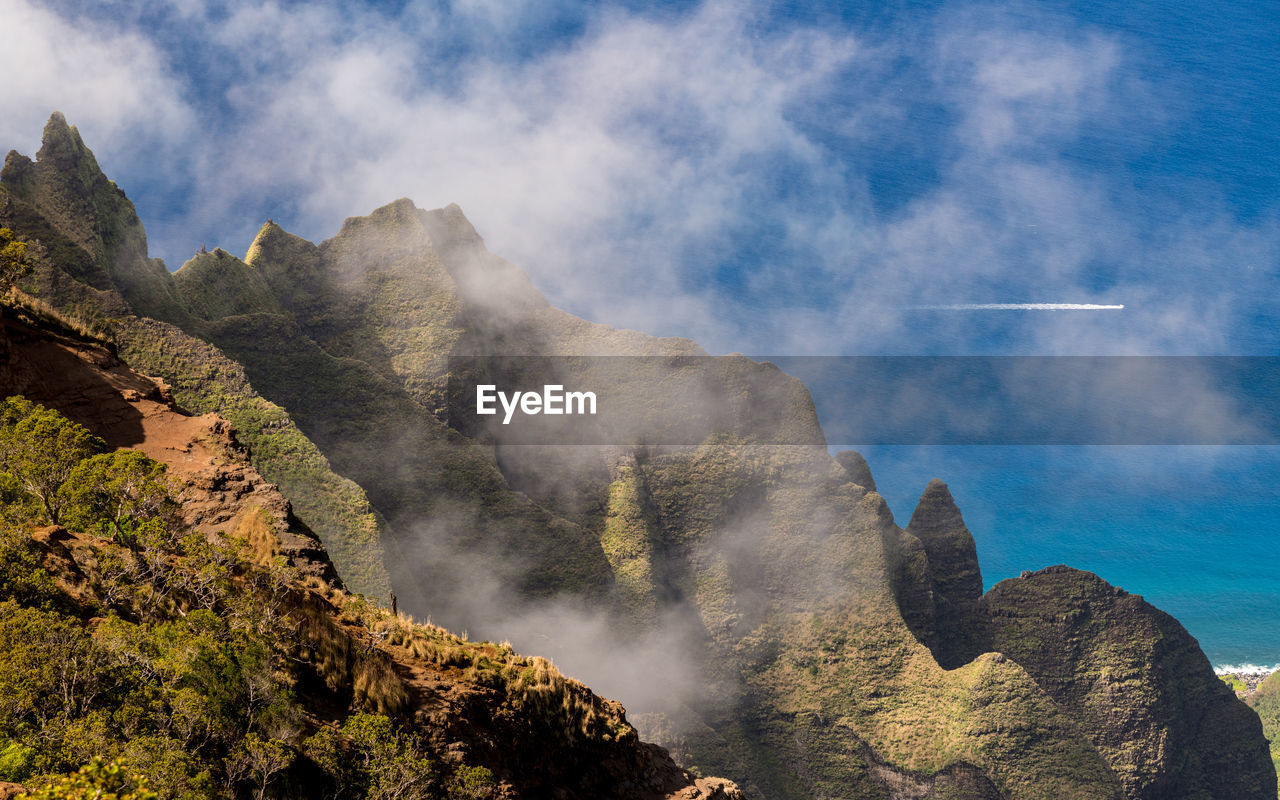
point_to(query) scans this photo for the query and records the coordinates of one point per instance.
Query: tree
(39, 449)
(50, 672)
(472, 783)
(261, 759)
(14, 261)
(372, 759)
(119, 489)
(95, 781)
(22, 577)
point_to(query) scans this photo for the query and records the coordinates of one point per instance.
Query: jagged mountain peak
(937, 508)
(17, 168)
(401, 213)
(954, 575)
(216, 284)
(64, 156)
(857, 468)
(273, 242)
(61, 144)
(65, 177)
(937, 521)
(451, 225)
(69, 205)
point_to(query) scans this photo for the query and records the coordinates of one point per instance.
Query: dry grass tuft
(378, 687)
(40, 312)
(530, 685)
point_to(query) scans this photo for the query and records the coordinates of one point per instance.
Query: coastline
(1248, 675)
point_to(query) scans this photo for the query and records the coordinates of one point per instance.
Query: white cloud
(1023, 87)
(111, 82)
(593, 166)
(626, 166)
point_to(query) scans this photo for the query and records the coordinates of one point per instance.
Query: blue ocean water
(1191, 529)
(1194, 530)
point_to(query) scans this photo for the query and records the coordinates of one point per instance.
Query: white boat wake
(1018, 307)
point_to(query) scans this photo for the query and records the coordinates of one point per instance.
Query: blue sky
(768, 177)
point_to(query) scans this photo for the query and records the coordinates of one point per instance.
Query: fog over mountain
(756, 607)
(321, 225)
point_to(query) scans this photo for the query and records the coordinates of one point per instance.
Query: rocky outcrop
(856, 466)
(959, 781)
(955, 580)
(1136, 681)
(221, 492)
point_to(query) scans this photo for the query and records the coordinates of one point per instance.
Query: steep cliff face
(834, 654)
(955, 581)
(1137, 682)
(912, 579)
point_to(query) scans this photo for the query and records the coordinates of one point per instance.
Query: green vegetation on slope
(628, 541)
(169, 662)
(1266, 701)
(91, 265)
(217, 284)
(205, 381)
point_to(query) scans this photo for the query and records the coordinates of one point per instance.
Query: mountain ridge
(814, 621)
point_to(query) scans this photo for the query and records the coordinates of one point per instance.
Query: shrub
(472, 783)
(39, 449)
(96, 780)
(16, 762)
(118, 491)
(14, 262)
(373, 759)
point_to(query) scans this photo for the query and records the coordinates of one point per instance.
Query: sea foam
(1245, 669)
